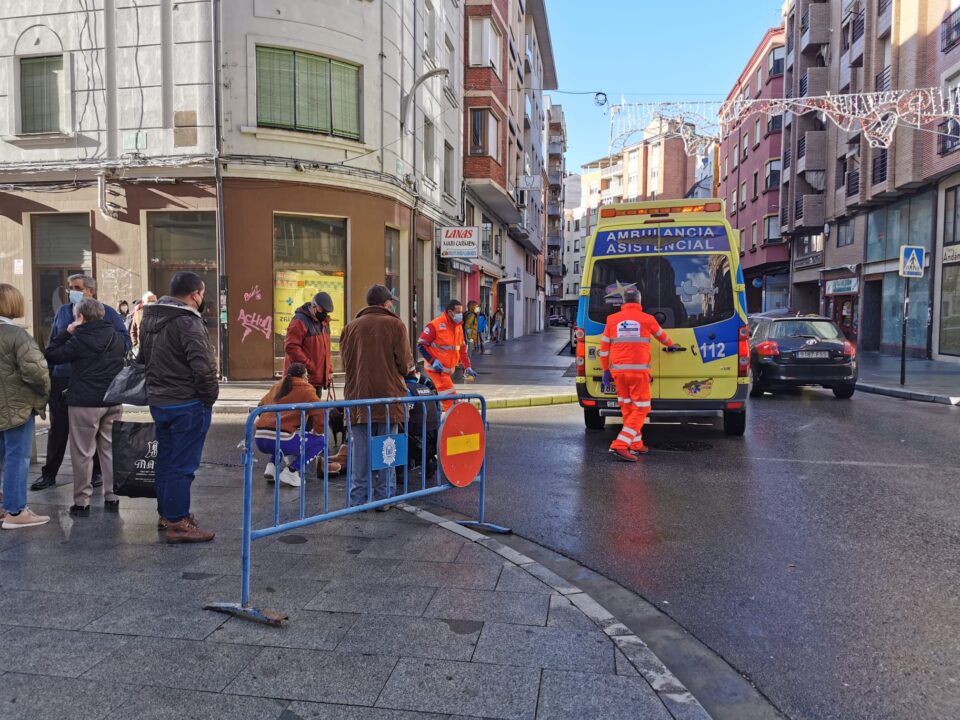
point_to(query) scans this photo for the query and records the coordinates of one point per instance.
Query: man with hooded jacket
(625, 359)
(308, 341)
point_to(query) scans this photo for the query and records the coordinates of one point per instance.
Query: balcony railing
(804, 84)
(612, 170)
(853, 183)
(950, 31)
(949, 139)
(798, 209)
(879, 167)
(787, 158)
(784, 215)
(883, 6)
(805, 21)
(859, 25)
(882, 81)
(801, 147)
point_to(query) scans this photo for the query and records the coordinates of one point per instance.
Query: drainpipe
(382, 108)
(215, 17)
(106, 208)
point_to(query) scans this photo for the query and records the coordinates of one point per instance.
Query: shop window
(310, 93)
(949, 310)
(41, 87)
(391, 248)
(179, 241)
(893, 311)
(61, 248)
(309, 256)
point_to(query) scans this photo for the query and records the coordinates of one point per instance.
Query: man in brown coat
(376, 358)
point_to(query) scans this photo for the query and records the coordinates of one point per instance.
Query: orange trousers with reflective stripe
(633, 393)
(444, 384)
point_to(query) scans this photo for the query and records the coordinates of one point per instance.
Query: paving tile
(445, 686)
(545, 647)
(298, 543)
(451, 575)
(186, 664)
(489, 606)
(324, 711)
(34, 697)
(306, 629)
(474, 553)
(515, 579)
(272, 593)
(53, 610)
(565, 614)
(152, 703)
(318, 567)
(55, 652)
(385, 598)
(412, 637)
(315, 676)
(225, 560)
(574, 696)
(158, 617)
(624, 666)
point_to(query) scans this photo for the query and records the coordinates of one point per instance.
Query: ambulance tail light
(743, 351)
(849, 349)
(768, 348)
(581, 353)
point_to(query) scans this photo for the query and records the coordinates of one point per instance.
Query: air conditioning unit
(521, 198)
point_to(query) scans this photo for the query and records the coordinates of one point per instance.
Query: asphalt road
(818, 555)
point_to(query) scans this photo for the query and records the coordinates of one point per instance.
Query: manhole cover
(681, 446)
(292, 539)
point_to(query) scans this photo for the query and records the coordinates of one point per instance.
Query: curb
(676, 698)
(904, 394)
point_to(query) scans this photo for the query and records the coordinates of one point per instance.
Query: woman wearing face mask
(443, 346)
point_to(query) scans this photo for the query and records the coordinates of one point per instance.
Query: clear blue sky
(649, 51)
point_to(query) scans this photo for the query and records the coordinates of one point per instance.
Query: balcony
(812, 151)
(878, 168)
(884, 18)
(949, 137)
(554, 238)
(612, 170)
(809, 212)
(787, 160)
(555, 179)
(856, 39)
(853, 187)
(555, 148)
(881, 82)
(814, 82)
(554, 208)
(950, 31)
(814, 27)
(784, 216)
(555, 270)
(612, 193)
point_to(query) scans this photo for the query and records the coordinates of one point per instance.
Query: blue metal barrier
(400, 440)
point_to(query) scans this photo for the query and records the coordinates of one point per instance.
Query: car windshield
(681, 291)
(819, 329)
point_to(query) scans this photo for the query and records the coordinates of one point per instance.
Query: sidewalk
(518, 373)
(927, 380)
(393, 615)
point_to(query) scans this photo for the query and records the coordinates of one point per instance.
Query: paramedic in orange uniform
(442, 345)
(625, 359)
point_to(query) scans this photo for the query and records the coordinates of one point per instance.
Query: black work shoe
(111, 505)
(80, 511)
(42, 483)
(97, 480)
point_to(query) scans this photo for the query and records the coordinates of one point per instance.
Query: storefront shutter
(275, 90)
(62, 240)
(346, 99)
(313, 93)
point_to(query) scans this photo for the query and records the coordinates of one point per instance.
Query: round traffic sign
(462, 444)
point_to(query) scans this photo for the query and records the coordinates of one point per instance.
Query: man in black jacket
(95, 349)
(182, 386)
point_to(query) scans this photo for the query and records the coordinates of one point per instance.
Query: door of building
(870, 331)
(61, 248)
(844, 313)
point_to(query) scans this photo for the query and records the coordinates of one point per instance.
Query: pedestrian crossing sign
(911, 261)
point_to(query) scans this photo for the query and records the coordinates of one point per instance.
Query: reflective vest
(625, 344)
(447, 342)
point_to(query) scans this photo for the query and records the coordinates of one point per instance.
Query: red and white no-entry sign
(462, 444)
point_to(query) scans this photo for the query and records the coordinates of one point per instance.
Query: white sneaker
(26, 518)
(289, 477)
(270, 471)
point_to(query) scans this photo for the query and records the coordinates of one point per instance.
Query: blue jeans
(15, 446)
(314, 445)
(383, 480)
(181, 430)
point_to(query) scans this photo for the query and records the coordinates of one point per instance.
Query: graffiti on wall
(254, 321)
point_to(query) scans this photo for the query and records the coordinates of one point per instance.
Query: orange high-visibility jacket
(625, 344)
(442, 339)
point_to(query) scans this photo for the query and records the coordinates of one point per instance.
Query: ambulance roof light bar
(610, 212)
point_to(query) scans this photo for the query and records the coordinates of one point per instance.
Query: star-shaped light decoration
(619, 290)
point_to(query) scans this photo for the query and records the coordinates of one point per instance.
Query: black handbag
(129, 387)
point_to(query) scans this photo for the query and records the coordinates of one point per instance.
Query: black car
(559, 321)
(791, 350)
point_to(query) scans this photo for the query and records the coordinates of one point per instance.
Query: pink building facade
(749, 170)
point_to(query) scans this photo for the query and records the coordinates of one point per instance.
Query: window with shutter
(41, 86)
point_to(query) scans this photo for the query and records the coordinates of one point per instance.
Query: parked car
(559, 321)
(795, 350)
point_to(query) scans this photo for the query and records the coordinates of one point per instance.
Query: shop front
(842, 304)
(949, 330)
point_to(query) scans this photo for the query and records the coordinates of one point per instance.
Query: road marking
(853, 463)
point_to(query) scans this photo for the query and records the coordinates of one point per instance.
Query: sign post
(911, 266)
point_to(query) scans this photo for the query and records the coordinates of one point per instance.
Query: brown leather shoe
(185, 532)
(163, 523)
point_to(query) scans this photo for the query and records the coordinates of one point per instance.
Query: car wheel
(734, 422)
(845, 391)
(593, 419)
(757, 388)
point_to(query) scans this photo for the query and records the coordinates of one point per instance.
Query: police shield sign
(911, 261)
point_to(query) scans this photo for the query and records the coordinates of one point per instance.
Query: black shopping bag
(134, 456)
(129, 387)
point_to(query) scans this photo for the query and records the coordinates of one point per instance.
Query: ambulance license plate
(610, 389)
(813, 354)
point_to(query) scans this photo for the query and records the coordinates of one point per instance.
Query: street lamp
(405, 100)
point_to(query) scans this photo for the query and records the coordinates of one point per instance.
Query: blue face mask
(458, 318)
(76, 296)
